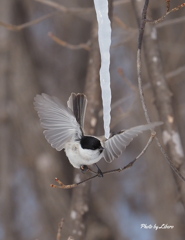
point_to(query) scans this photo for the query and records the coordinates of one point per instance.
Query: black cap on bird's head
(88, 142)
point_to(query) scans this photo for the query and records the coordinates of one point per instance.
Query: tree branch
(85, 46)
(162, 94)
(28, 24)
(167, 13)
(86, 14)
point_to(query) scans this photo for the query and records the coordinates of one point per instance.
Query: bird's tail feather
(77, 103)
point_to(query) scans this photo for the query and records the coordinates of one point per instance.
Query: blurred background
(31, 62)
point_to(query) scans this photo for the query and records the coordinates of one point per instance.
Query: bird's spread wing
(77, 103)
(59, 122)
(115, 145)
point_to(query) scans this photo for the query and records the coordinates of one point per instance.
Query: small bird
(64, 130)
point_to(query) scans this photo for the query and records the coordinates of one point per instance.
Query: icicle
(104, 37)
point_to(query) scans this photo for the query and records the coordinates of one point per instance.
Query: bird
(64, 129)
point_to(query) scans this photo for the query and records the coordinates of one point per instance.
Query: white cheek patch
(79, 156)
(86, 153)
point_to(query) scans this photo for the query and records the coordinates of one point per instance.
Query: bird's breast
(79, 156)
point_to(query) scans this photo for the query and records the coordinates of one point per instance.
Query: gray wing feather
(59, 122)
(77, 103)
(115, 145)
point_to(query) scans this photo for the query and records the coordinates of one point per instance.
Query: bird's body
(64, 130)
(79, 156)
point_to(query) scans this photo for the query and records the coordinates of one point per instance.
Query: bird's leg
(100, 173)
(84, 168)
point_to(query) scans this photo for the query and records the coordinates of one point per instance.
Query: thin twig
(175, 72)
(28, 24)
(85, 46)
(130, 32)
(84, 13)
(69, 186)
(170, 22)
(166, 14)
(123, 25)
(65, 9)
(128, 82)
(130, 164)
(169, 160)
(140, 40)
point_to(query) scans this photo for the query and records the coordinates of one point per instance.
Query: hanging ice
(104, 37)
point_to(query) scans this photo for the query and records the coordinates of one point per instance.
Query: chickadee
(64, 130)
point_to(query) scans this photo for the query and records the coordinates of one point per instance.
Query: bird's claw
(84, 169)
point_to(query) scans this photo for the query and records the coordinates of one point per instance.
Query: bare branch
(163, 95)
(84, 13)
(128, 82)
(170, 22)
(85, 46)
(169, 160)
(69, 186)
(166, 14)
(175, 72)
(64, 9)
(140, 40)
(28, 24)
(123, 25)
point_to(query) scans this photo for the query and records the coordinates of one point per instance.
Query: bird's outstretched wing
(77, 103)
(58, 121)
(114, 146)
